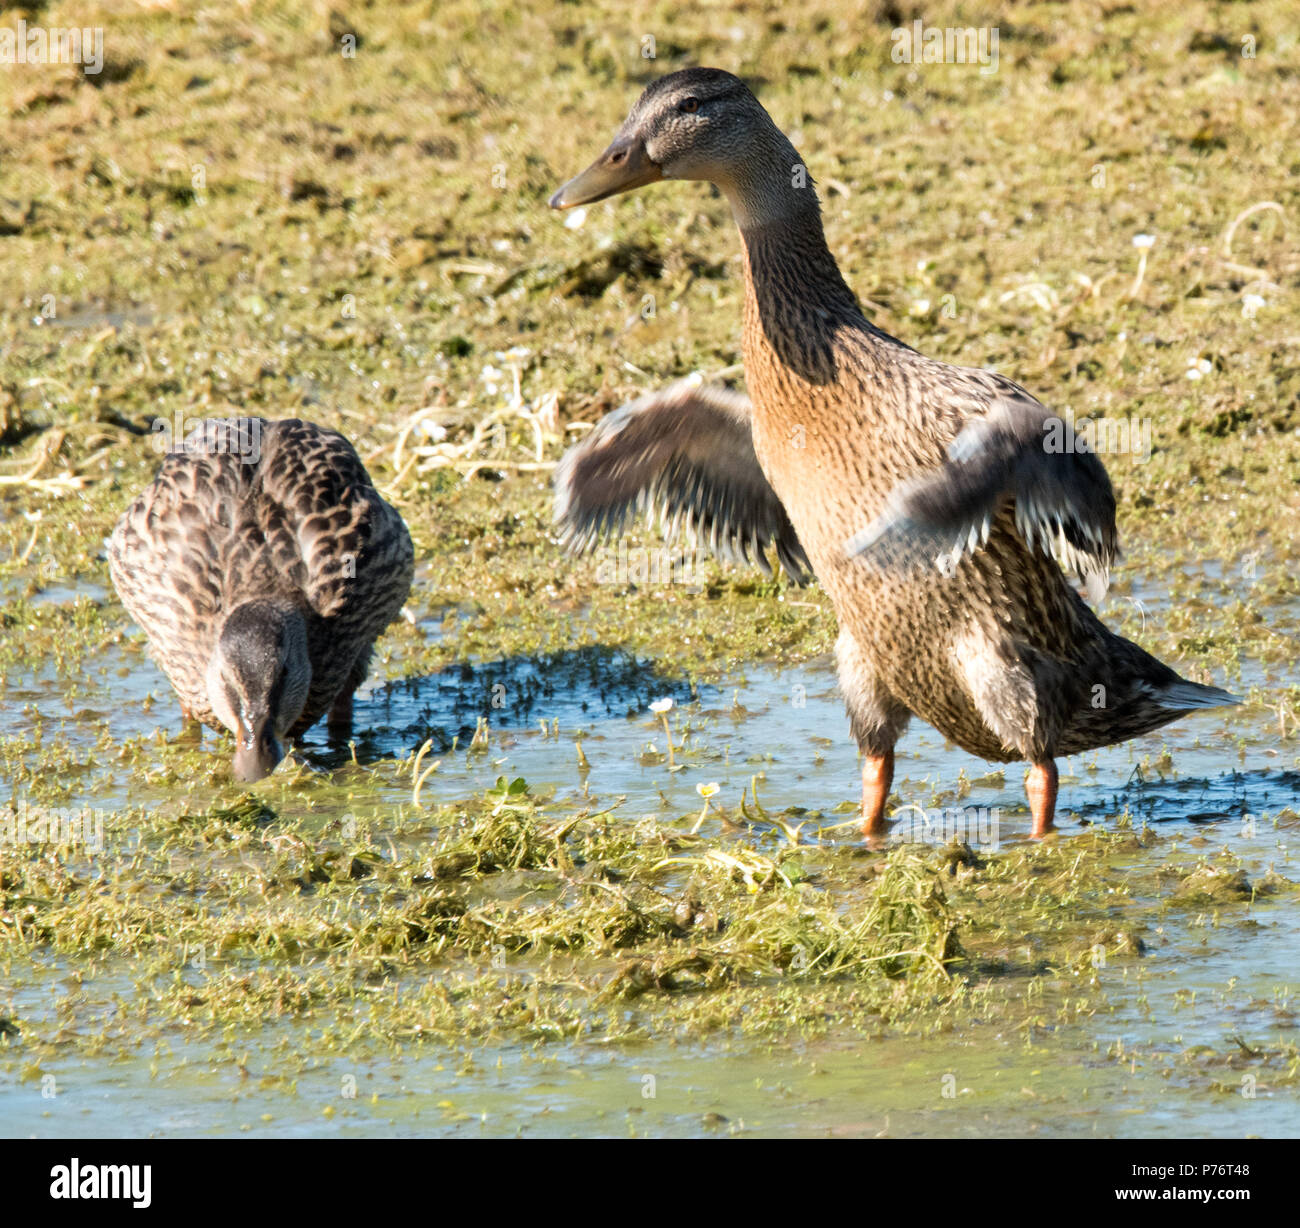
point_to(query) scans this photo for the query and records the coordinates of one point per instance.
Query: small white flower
(920, 307)
(707, 791)
(575, 219)
(1144, 240)
(1250, 304)
(432, 430)
(1200, 368)
(661, 706)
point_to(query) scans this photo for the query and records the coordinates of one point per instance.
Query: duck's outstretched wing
(685, 454)
(1018, 451)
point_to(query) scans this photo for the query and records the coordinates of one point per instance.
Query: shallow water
(787, 727)
(1200, 982)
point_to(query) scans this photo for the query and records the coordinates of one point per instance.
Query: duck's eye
(689, 105)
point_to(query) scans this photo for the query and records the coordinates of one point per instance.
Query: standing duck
(262, 565)
(927, 498)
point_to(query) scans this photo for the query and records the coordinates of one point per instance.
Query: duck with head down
(258, 680)
(262, 565)
(923, 496)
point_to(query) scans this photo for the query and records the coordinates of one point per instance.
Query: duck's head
(700, 123)
(258, 679)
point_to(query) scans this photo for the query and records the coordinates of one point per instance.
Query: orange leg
(1040, 788)
(877, 777)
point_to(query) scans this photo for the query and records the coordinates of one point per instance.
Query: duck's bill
(622, 167)
(258, 760)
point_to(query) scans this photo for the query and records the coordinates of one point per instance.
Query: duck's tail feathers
(1183, 696)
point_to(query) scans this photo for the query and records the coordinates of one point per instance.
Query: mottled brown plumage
(922, 494)
(262, 565)
(685, 454)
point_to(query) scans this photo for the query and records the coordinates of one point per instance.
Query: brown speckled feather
(997, 650)
(685, 453)
(256, 508)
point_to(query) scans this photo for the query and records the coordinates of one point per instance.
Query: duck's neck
(797, 307)
(790, 272)
(796, 300)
